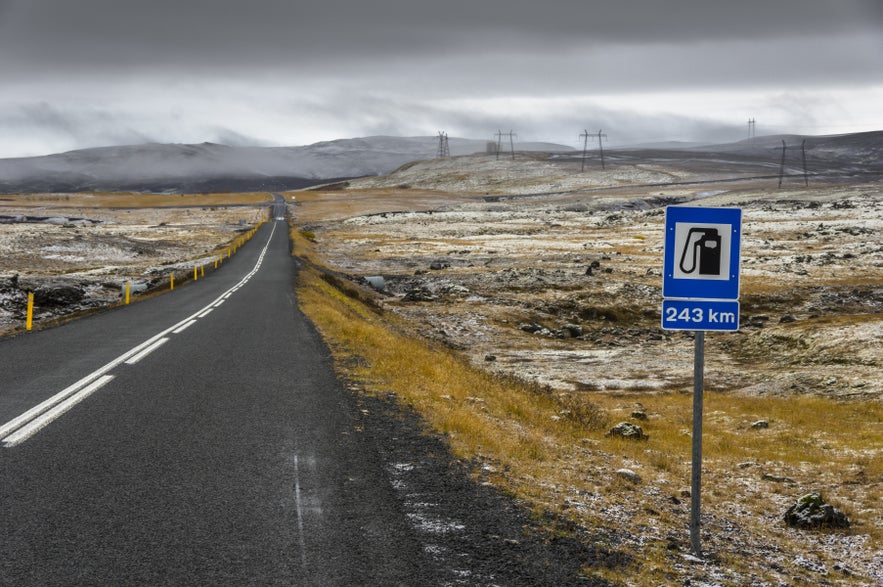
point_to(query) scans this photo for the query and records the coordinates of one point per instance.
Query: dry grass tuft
(551, 451)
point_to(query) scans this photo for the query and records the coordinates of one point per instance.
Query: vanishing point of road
(195, 438)
(201, 437)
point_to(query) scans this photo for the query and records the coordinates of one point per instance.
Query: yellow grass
(133, 200)
(534, 444)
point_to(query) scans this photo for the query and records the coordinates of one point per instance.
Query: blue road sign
(700, 315)
(701, 259)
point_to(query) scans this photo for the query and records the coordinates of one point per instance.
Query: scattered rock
(439, 265)
(530, 327)
(9, 282)
(419, 294)
(776, 478)
(53, 295)
(572, 330)
(787, 318)
(760, 425)
(628, 430)
(453, 289)
(490, 358)
(811, 512)
(628, 475)
(376, 281)
(639, 415)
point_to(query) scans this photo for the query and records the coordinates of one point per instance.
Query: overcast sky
(83, 73)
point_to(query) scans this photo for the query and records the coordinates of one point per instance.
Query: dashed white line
(147, 351)
(35, 419)
(184, 327)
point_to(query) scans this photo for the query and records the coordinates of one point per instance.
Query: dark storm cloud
(280, 33)
(88, 72)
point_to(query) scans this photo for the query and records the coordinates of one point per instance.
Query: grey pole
(696, 481)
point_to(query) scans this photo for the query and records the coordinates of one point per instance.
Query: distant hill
(214, 167)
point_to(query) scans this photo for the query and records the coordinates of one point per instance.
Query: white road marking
(184, 327)
(206, 313)
(300, 514)
(147, 351)
(42, 421)
(58, 404)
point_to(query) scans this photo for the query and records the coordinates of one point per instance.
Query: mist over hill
(214, 167)
(210, 167)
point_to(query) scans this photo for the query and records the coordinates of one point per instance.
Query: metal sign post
(696, 472)
(700, 288)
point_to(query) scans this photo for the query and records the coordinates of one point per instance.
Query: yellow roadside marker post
(29, 321)
(128, 292)
(195, 277)
(172, 281)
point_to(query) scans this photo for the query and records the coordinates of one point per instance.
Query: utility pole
(752, 129)
(782, 163)
(805, 174)
(601, 148)
(500, 134)
(444, 150)
(803, 156)
(585, 136)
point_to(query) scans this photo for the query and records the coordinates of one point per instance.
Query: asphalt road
(201, 438)
(228, 455)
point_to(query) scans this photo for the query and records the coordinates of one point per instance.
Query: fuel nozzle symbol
(702, 251)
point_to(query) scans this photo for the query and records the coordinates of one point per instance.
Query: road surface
(201, 438)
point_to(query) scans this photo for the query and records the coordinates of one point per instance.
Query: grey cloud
(273, 33)
(90, 72)
(69, 127)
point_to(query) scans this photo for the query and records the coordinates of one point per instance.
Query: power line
(500, 134)
(444, 151)
(803, 156)
(585, 136)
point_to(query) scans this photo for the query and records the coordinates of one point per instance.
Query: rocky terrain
(531, 267)
(534, 269)
(536, 277)
(74, 254)
(210, 167)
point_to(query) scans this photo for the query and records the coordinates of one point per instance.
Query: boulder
(54, 295)
(628, 430)
(811, 512)
(419, 294)
(572, 330)
(376, 282)
(628, 475)
(530, 327)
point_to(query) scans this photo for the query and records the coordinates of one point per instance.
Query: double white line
(29, 423)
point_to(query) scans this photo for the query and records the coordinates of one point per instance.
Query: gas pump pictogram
(702, 249)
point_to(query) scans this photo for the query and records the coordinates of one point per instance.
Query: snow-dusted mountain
(209, 166)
